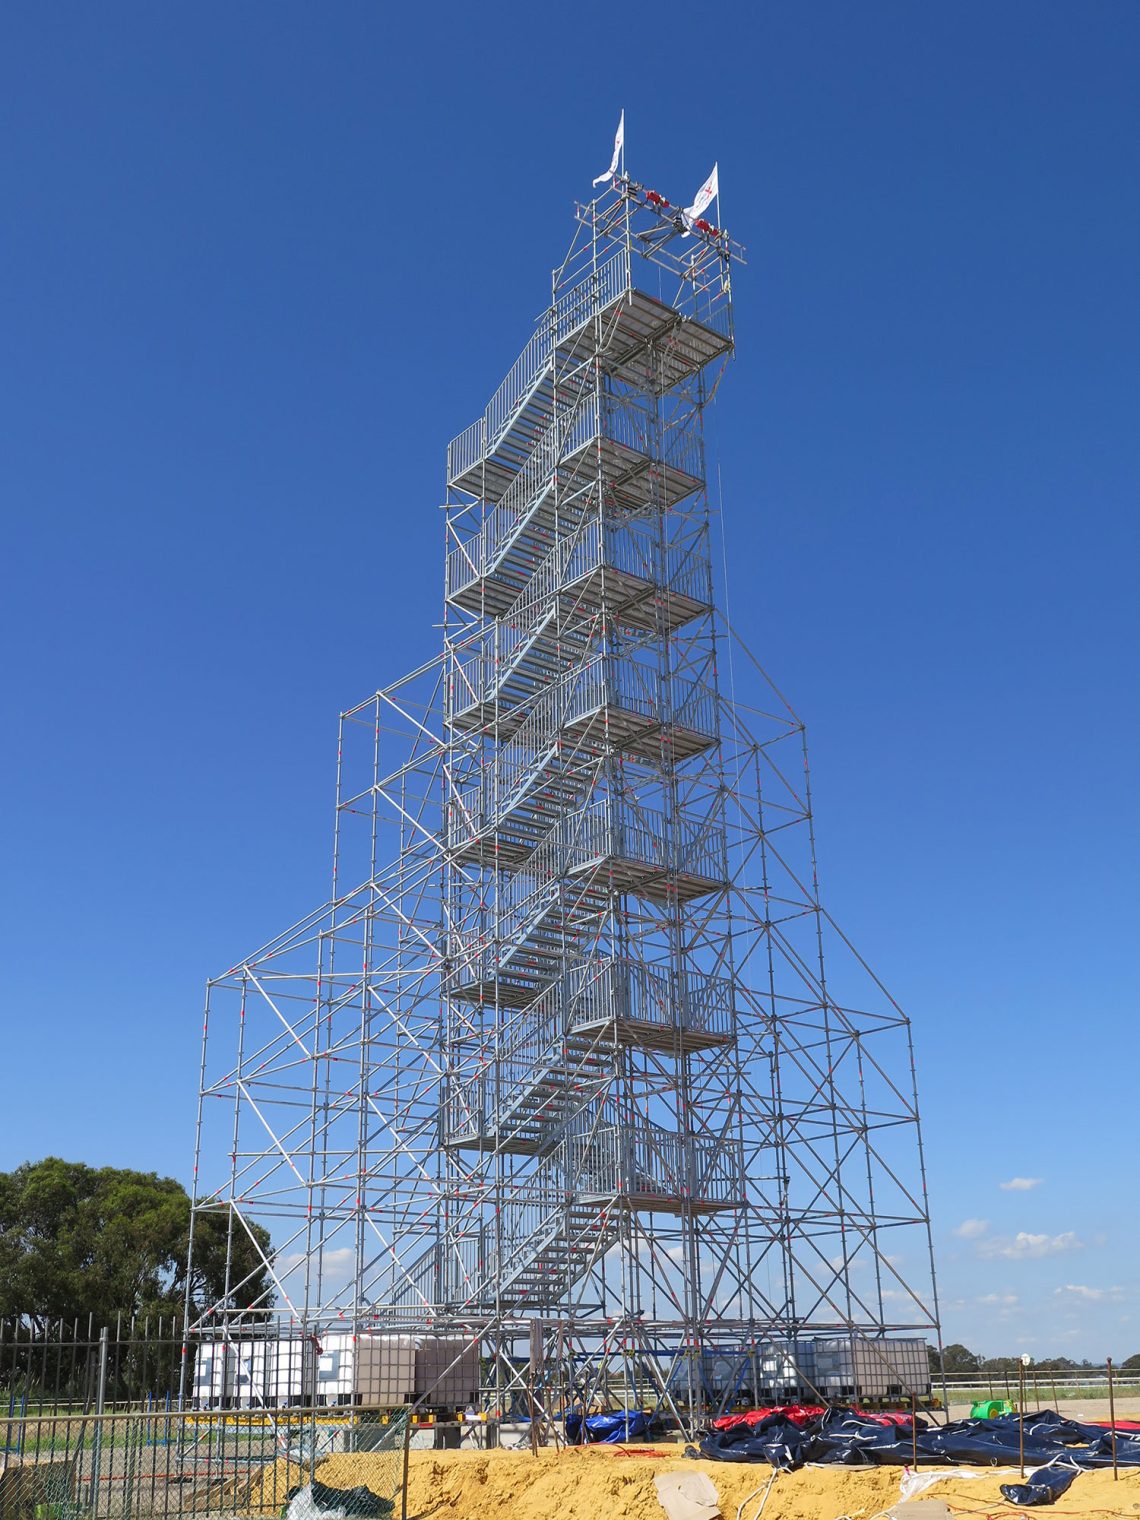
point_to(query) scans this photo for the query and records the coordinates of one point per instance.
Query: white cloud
(971, 1229)
(999, 1300)
(1027, 1247)
(1021, 1184)
(338, 1265)
(1090, 1295)
(898, 1296)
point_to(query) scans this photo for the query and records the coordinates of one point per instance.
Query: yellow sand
(603, 1483)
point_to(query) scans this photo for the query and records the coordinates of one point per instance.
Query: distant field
(1042, 1389)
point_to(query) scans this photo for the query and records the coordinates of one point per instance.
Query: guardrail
(574, 308)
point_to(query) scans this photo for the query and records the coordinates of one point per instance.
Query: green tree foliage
(955, 1358)
(79, 1241)
(1131, 1363)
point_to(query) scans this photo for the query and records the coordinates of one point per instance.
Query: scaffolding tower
(561, 1066)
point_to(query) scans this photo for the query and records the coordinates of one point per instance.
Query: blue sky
(261, 262)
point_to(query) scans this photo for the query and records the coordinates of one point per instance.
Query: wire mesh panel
(93, 1426)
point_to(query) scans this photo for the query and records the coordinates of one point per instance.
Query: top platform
(651, 341)
(636, 339)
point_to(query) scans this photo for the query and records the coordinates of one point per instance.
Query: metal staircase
(579, 710)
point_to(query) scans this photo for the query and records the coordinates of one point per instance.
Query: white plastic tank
(378, 1371)
(786, 1369)
(856, 1367)
(246, 1374)
(210, 1385)
(440, 1383)
(895, 1368)
(335, 1369)
(385, 1370)
(289, 1365)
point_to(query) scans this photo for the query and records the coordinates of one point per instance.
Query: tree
(79, 1241)
(1131, 1363)
(955, 1358)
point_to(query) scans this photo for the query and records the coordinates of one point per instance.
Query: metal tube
(406, 1463)
(1021, 1416)
(100, 1405)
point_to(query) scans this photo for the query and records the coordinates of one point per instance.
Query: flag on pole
(619, 143)
(702, 200)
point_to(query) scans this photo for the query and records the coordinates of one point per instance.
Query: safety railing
(591, 994)
(602, 682)
(570, 432)
(608, 830)
(685, 1002)
(130, 1421)
(649, 1161)
(592, 545)
(573, 309)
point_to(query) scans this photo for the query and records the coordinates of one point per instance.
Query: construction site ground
(1073, 1409)
(617, 1483)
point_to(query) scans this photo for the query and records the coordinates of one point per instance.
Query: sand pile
(604, 1483)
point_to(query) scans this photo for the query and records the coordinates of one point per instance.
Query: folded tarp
(1041, 1487)
(803, 1414)
(799, 1414)
(610, 1429)
(856, 1440)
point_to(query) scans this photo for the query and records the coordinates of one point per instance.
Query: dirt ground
(1075, 1409)
(612, 1483)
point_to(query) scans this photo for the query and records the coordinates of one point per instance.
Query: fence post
(404, 1475)
(100, 1404)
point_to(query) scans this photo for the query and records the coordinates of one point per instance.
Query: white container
(785, 1369)
(289, 1372)
(723, 1371)
(210, 1386)
(246, 1374)
(437, 1381)
(385, 1370)
(335, 1369)
(858, 1368)
(378, 1371)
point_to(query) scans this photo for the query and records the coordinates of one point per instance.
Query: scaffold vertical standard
(573, 1066)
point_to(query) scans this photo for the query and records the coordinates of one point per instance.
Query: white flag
(703, 199)
(619, 142)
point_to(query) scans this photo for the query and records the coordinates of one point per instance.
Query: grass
(1043, 1390)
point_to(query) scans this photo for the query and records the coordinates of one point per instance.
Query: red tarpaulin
(799, 1414)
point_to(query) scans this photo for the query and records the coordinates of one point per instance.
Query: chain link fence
(99, 1425)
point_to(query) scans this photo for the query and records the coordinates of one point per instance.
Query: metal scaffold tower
(574, 1064)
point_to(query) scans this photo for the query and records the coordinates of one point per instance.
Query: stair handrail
(571, 312)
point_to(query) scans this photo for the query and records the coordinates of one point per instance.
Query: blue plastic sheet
(608, 1429)
(1041, 1487)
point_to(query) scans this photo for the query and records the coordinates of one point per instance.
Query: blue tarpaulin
(610, 1429)
(842, 1436)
